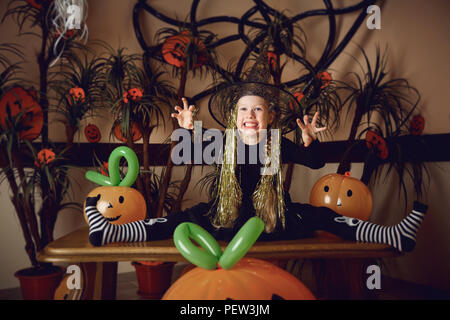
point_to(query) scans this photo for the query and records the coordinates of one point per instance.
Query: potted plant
(136, 101)
(395, 101)
(37, 173)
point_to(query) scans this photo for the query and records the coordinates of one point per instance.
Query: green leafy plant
(135, 99)
(393, 101)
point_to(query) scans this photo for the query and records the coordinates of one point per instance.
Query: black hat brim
(224, 99)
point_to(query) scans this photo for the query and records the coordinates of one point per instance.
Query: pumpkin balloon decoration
(345, 195)
(174, 50)
(18, 100)
(92, 133)
(135, 132)
(119, 203)
(221, 276)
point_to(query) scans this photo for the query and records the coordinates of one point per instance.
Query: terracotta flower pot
(153, 278)
(37, 284)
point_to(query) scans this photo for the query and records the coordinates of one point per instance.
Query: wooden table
(339, 265)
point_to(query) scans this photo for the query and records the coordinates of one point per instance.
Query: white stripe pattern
(401, 236)
(130, 232)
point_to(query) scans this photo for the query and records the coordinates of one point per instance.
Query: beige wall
(414, 30)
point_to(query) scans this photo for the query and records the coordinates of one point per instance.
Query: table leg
(100, 279)
(343, 278)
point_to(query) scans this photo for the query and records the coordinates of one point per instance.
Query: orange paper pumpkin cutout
(45, 156)
(326, 78)
(135, 94)
(417, 125)
(119, 205)
(343, 194)
(35, 3)
(92, 133)
(134, 131)
(173, 50)
(77, 94)
(249, 279)
(20, 100)
(376, 143)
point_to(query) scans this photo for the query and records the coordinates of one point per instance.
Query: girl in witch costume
(250, 187)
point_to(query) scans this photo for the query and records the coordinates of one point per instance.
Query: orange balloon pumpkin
(20, 100)
(173, 50)
(119, 205)
(92, 133)
(249, 279)
(134, 131)
(343, 194)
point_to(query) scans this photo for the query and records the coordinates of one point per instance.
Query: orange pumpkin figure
(92, 133)
(174, 47)
(20, 100)
(135, 94)
(77, 95)
(376, 143)
(343, 194)
(249, 279)
(326, 78)
(134, 131)
(119, 205)
(45, 156)
(417, 125)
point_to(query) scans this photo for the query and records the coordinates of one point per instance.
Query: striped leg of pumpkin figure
(401, 236)
(101, 231)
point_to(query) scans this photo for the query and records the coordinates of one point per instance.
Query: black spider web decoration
(330, 52)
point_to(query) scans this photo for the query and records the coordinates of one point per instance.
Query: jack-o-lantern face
(136, 134)
(343, 194)
(249, 279)
(77, 95)
(376, 143)
(325, 78)
(20, 100)
(45, 156)
(173, 50)
(92, 133)
(119, 205)
(134, 94)
(417, 125)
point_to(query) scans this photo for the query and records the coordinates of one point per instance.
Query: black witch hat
(258, 82)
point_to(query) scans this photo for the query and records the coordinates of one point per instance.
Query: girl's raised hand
(184, 115)
(309, 130)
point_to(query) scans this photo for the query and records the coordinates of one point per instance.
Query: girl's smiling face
(253, 115)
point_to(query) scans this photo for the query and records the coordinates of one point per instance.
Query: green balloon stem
(114, 172)
(211, 257)
(241, 242)
(206, 258)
